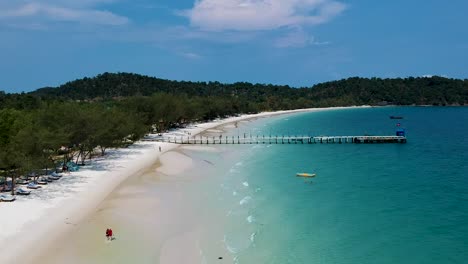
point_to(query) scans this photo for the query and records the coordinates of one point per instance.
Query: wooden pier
(200, 140)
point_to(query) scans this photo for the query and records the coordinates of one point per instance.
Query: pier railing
(201, 140)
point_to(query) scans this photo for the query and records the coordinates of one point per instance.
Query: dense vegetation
(89, 115)
(352, 91)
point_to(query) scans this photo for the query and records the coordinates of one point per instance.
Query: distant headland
(432, 90)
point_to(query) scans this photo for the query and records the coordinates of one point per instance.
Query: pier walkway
(200, 140)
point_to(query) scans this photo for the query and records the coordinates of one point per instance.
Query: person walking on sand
(159, 148)
(107, 233)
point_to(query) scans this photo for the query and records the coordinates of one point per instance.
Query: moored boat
(304, 174)
(47, 179)
(22, 181)
(33, 185)
(41, 182)
(55, 174)
(7, 198)
(52, 178)
(6, 188)
(22, 191)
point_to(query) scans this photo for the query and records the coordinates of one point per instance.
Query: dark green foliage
(410, 91)
(114, 109)
(11, 122)
(19, 101)
(117, 85)
(352, 91)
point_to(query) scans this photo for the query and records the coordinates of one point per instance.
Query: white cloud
(27, 26)
(251, 15)
(80, 2)
(297, 38)
(191, 55)
(39, 12)
(432, 75)
(293, 39)
(67, 3)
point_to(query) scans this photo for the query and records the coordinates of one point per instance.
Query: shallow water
(375, 203)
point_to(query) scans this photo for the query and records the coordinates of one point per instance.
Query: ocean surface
(369, 203)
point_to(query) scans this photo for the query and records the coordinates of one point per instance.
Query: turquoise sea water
(370, 203)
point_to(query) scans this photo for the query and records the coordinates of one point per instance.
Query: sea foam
(250, 219)
(245, 200)
(252, 236)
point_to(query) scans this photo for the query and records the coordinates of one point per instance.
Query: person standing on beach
(159, 148)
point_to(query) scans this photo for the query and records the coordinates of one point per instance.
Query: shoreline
(34, 225)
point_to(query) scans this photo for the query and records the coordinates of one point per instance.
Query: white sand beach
(34, 225)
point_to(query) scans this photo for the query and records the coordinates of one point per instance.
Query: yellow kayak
(303, 174)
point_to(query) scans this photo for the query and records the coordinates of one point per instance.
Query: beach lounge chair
(33, 185)
(22, 191)
(7, 198)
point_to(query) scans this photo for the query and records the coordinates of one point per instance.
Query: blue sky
(294, 42)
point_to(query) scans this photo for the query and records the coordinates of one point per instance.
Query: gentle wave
(241, 244)
(250, 219)
(252, 236)
(230, 248)
(245, 200)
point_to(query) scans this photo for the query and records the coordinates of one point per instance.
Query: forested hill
(352, 91)
(409, 91)
(115, 85)
(113, 109)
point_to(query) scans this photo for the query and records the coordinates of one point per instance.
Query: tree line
(90, 115)
(40, 132)
(352, 91)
